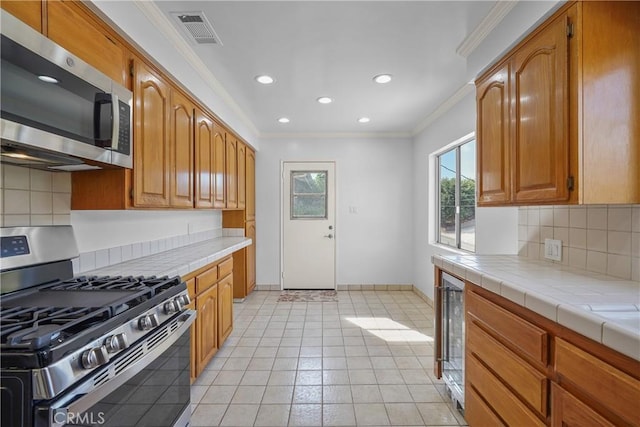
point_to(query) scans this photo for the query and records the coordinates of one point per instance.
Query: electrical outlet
(553, 249)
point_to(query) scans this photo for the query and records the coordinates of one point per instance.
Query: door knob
(329, 236)
(331, 227)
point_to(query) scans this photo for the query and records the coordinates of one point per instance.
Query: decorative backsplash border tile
(105, 257)
(598, 238)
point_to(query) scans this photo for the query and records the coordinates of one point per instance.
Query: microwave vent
(198, 27)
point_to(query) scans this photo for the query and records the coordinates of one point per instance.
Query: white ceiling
(334, 48)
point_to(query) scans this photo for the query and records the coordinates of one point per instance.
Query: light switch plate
(553, 249)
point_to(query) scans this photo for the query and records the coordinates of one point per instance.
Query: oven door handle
(83, 397)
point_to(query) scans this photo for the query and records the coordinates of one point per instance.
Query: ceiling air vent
(197, 26)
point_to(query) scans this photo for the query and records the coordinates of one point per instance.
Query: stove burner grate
(38, 327)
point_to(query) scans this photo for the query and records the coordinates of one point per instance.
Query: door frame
(335, 216)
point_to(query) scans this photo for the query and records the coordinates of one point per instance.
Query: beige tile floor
(364, 360)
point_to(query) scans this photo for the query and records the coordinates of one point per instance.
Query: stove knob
(184, 299)
(95, 357)
(116, 343)
(171, 307)
(178, 303)
(147, 322)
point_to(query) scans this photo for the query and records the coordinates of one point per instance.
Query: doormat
(308, 296)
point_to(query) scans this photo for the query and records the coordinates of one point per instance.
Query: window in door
(308, 194)
(457, 196)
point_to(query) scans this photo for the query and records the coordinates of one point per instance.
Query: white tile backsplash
(41, 180)
(597, 218)
(619, 219)
(560, 217)
(34, 197)
(598, 238)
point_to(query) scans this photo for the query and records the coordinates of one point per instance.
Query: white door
(308, 225)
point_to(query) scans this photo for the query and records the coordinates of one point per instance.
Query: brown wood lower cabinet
(569, 411)
(525, 370)
(207, 327)
(211, 293)
(225, 307)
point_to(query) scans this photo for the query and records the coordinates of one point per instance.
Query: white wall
(496, 228)
(96, 230)
(373, 246)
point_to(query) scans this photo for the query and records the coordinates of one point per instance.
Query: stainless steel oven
(451, 336)
(88, 350)
(148, 385)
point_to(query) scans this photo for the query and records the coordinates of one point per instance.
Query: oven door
(148, 385)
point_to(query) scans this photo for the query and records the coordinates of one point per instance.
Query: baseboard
(423, 296)
(361, 287)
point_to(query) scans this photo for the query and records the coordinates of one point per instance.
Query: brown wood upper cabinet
(536, 142)
(152, 157)
(29, 12)
(241, 150)
(232, 171)
(204, 172)
(219, 165)
(182, 148)
(250, 184)
(70, 25)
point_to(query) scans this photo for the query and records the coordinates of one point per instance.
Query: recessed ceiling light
(264, 79)
(284, 120)
(382, 78)
(364, 120)
(325, 100)
(48, 79)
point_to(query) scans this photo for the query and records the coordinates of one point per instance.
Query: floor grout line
(386, 322)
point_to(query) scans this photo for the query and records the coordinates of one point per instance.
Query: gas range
(67, 336)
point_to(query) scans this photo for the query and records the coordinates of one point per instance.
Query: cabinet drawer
(207, 279)
(526, 337)
(225, 267)
(569, 411)
(530, 384)
(611, 387)
(503, 402)
(477, 413)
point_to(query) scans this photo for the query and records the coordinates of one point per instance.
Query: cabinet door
(207, 326)
(250, 232)
(29, 12)
(493, 138)
(181, 144)
(204, 173)
(540, 157)
(568, 411)
(69, 25)
(225, 307)
(219, 163)
(232, 172)
(241, 174)
(250, 184)
(151, 130)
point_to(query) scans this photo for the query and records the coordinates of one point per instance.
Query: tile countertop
(600, 307)
(180, 261)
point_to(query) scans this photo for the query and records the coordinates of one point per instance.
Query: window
(308, 194)
(457, 196)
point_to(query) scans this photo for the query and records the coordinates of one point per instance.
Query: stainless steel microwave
(58, 112)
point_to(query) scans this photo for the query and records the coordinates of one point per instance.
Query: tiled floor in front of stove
(364, 360)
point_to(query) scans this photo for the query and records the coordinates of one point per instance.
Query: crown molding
(336, 135)
(164, 25)
(444, 107)
(493, 18)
